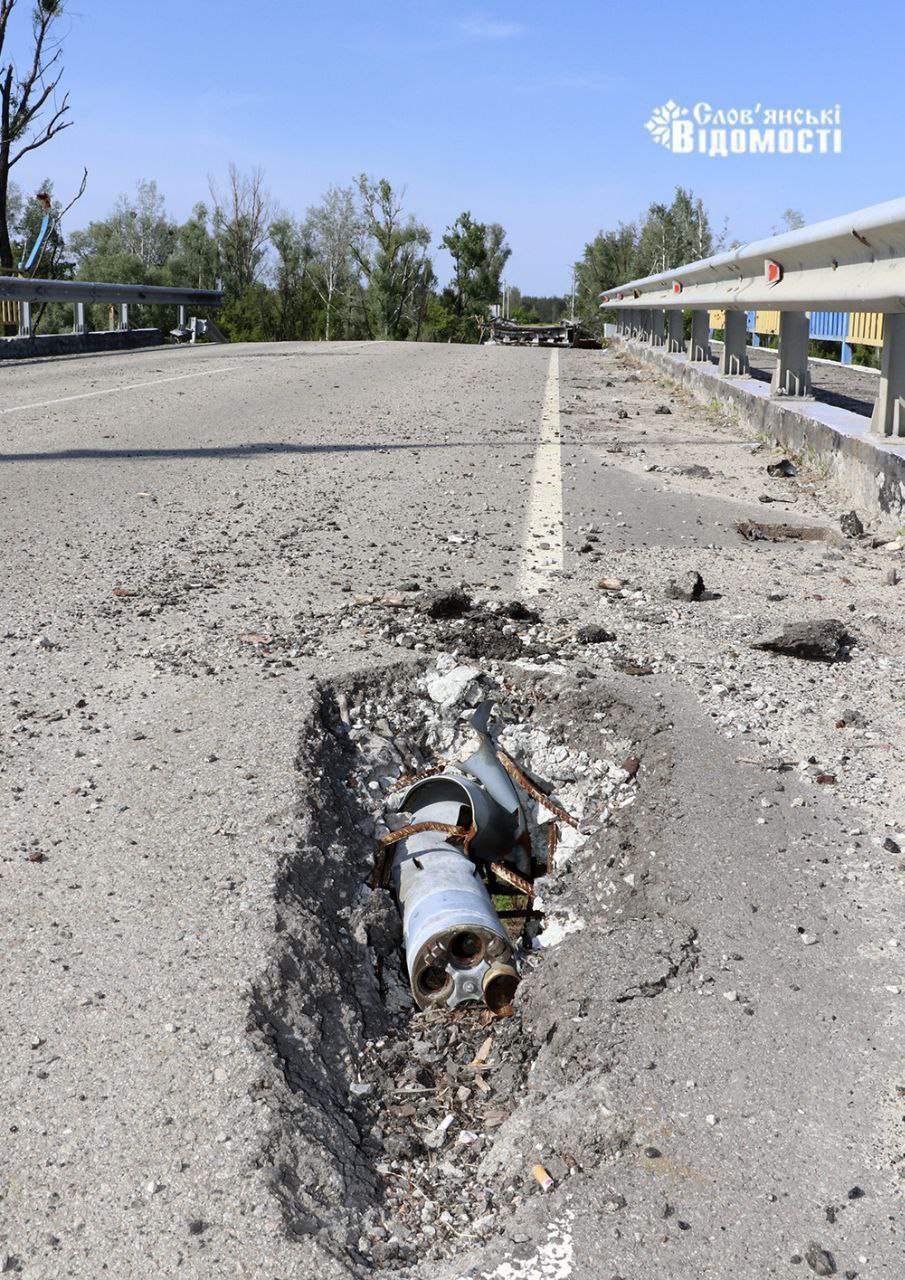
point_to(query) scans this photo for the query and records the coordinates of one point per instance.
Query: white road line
(111, 391)
(545, 517)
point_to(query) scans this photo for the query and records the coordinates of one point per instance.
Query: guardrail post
(79, 324)
(699, 343)
(122, 315)
(791, 377)
(657, 328)
(25, 325)
(180, 317)
(734, 356)
(675, 333)
(888, 417)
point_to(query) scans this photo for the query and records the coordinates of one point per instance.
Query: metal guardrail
(18, 294)
(853, 264)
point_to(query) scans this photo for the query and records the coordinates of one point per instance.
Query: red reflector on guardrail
(772, 271)
(676, 286)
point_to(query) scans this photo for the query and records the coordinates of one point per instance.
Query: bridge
(246, 588)
(841, 280)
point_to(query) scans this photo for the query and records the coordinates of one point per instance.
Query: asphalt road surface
(186, 536)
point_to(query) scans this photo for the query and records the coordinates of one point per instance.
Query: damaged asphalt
(201, 1059)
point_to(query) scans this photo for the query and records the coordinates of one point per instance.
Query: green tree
(672, 235)
(607, 260)
(241, 221)
(295, 311)
(332, 228)
(391, 251)
(132, 244)
(790, 220)
(479, 252)
(194, 263)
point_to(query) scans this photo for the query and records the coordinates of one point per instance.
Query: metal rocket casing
(457, 950)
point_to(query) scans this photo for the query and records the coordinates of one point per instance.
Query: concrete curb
(871, 471)
(66, 344)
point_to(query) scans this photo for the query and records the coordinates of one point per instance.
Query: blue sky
(530, 114)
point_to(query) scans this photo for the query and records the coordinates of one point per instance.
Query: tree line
(357, 265)
(667, 236)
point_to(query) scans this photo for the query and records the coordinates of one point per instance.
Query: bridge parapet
(842, 280)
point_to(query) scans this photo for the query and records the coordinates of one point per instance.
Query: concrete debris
(784, 468)
(663, 408)
(851, 525)
(591, 633)
(824, 641)
(689, 588)
(820, 1260)
(754, 531)
(460, 684)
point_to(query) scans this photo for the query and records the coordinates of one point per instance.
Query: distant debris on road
(567, 334)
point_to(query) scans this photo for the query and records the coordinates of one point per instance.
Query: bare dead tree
(30, 111)
(241, 221)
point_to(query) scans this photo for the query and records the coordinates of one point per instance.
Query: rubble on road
(436, 1093)
(784, 468)
(689, 588)
(755, 531)
(826, 640)
(851, 525)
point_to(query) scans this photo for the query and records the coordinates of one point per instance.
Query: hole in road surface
(390, 1127)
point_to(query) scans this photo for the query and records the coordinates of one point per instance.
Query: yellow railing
(9, 311)
(865, 327)
(766, 322)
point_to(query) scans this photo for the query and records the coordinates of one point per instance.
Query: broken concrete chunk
(850, 524)
(461, 684)
(591, 633)
(821, 641)
(755, 531)
(782, 468)
(689, 587)
(819, 1260)
(663, 408)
